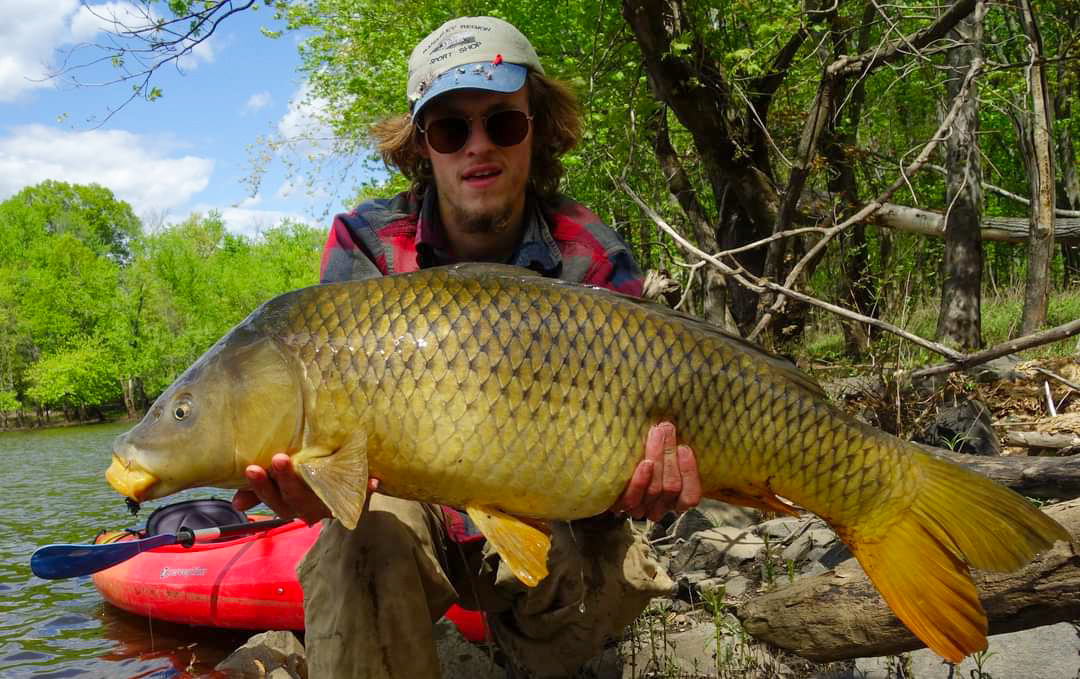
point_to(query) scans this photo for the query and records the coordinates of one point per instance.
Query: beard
(494, 220)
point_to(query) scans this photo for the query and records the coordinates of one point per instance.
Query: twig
(870, 208)
(1059, 378)
(1049, 399)
(1060, 212)
(1011, 347)
(759, 284)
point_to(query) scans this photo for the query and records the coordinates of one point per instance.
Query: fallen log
(839, 615)
(1040, 439)
(1043, 478)
(1007, 229)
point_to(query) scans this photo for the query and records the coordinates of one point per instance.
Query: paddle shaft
(54, 562)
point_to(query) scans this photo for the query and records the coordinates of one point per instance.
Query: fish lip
(129, 480)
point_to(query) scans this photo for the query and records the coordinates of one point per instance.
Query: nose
(478, 141)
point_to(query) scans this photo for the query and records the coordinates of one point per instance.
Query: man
(481, 145)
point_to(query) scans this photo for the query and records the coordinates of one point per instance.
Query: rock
(722, 546)
(659, 529)
(964, 427)
(1049, 652)
(277, 653)
(692, 521)
(1003, 368)
(737, 585)
(724, 514)
(835, 555)
(460, 659)
(851, 387)
(780, 529)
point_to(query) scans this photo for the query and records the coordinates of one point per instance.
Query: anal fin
(338, 477)
(758, 499)
(523, 547)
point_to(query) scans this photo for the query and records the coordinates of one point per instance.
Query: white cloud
(29, 32)
(249, 222)
(258, 101)
(35, 34)
(306, 117)
(142, 170)
(250, 201)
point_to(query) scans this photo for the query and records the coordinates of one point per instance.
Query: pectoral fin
(524, 548)
(338, 477)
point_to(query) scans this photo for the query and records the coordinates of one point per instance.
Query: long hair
(556, 129)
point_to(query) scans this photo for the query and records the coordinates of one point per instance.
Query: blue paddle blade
(54, 562)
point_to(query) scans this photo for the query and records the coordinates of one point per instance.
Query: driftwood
(839, 615)
(1039, 439)
(1044, 478)
(1007, 229)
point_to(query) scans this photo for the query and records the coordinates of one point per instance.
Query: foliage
(81, 312)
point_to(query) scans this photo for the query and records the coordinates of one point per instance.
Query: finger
(244, 500)
(630, 502)
(671, 485)
(298, 495)
(263, 487)
(690, 495)
(660, 437)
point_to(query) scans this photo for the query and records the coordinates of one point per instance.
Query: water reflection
(54, 491)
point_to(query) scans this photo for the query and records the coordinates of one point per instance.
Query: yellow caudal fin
(920, 562)
(339, 477)
(523, 547)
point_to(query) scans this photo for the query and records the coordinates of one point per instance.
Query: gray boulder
(277, 653)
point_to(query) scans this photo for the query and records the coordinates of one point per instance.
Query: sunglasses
(504, 128)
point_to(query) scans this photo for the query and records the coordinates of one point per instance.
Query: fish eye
(182, 410)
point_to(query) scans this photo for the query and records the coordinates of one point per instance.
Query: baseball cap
(469, 53)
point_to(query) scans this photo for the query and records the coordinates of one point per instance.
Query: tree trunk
(857, 282)
(959, 318)
(1039, 155)
(727, 137)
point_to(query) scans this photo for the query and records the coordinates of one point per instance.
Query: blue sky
(188, 152)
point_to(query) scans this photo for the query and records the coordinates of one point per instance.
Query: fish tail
(920, 562)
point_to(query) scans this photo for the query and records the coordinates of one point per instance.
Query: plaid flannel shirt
(401, 234)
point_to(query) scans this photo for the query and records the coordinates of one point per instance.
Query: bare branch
(896, 49)
(1011, 347)
(157, 43)
(873, 206)
(1060, 212)
(759, 284)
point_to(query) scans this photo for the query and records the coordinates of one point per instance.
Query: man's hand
(666, 480)
(280, 489)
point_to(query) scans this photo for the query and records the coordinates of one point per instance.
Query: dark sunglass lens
(447, 135)
(508, 128)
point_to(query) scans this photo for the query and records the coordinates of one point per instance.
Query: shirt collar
(537, 251)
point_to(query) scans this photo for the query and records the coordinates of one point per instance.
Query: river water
(54, 491)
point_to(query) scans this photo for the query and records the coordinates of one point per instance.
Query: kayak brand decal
(196, 572)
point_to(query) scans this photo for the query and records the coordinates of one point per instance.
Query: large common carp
(518, 397)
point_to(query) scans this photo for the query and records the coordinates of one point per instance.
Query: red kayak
(248, 582)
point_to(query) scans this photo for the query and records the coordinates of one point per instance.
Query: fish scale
(518, 397)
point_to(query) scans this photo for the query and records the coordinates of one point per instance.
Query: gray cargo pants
(372, 595)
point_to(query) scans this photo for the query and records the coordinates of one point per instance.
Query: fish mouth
(128, 480)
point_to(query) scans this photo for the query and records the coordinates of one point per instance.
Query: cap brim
(483, 75)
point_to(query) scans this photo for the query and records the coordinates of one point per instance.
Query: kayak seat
(193, 514)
